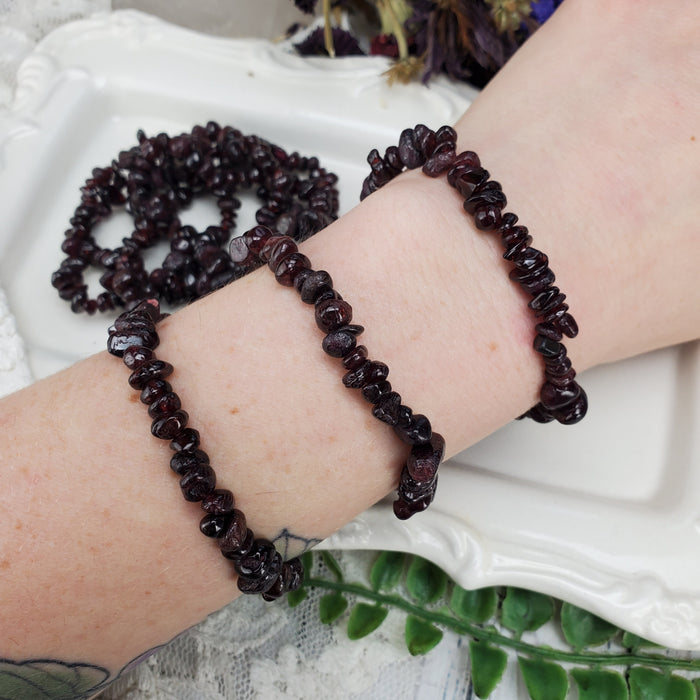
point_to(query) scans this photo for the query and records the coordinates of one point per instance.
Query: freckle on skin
(4, 564)
(18, 525)
(234, 410)
(493, 346)
(133, 398)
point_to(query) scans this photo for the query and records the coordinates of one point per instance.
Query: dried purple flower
(459, 37)
(542, 10)
(314, 44)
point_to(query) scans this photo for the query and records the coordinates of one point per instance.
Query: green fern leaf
(386, 571)
(425, 581)
(296, 597)
(544, 680)
(421, 636)
(525, 611)
(488, 664)
(331, 607)
(599, 685)
(364, 619)
(646, 684)
(583, 629)
(474, 606)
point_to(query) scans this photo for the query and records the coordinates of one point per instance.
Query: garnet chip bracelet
(134, 337)
(561, 397)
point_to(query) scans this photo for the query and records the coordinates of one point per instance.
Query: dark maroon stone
(561, 379)
(546, 346)
(404, 416)
(355, 358)
(153, 369)
(568, 325)
(214, 524)
(548, 330)
(269, 245)
(487, 218)
(539, 414)
(417, 432)
(377, 371)
(386, 409)
(165, 405)
(256, 238)
(279, 251)
(356, 378)
(440, 160)
(573, 412)
(237, 539)
(188, 439)
(217, 502)
(409, 151)
(239, 251)
(339, 343)
(134, 357)
(553, 397)
(375, 391)
(198, 482)
(316, 283)
(287, 270)
(534, 283)
(168, 427)
(185, 460)
(331, 314)
(424, 460)
(154, 389)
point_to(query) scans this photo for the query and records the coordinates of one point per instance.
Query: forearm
(103, 558)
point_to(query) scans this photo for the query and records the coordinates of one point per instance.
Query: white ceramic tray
(605, 514)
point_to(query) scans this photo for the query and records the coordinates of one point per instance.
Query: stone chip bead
(259, 565)
(424, 460)
(332, 314)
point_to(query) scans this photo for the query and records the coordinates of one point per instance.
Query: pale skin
(593, 131)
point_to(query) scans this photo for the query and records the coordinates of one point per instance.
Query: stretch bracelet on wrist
(134, 338)
(561, 397)
(153, 181)
(259, 566)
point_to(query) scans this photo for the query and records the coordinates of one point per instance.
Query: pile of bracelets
(162, 174)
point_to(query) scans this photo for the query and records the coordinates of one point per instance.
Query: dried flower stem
(327, 28)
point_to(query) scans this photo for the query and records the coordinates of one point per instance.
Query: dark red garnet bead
(198, 482)
(314, 284)
(153, 369)
(168, 427)
(187, 460)
(218, 501)
(340, 342)
(188, 439)
(214, 524)
(332, 314)
(165, 405)
(288, 268)
(355, 358)
(154, 389)
(233, 542)
(418, 431)
(386, 409)
(424, 460)
(135, 356)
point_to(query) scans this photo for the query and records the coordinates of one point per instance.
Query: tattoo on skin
(51, 679)
(291, 545)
